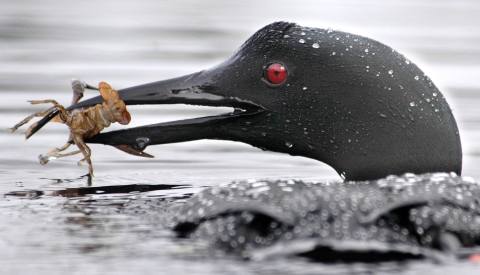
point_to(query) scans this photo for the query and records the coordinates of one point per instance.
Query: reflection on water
(52, 223)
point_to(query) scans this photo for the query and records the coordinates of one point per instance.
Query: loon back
(407, 216)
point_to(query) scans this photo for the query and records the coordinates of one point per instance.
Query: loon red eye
(276, 73)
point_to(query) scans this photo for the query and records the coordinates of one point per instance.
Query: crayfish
(83, 124)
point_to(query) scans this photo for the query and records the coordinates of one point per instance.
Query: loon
(348, 101)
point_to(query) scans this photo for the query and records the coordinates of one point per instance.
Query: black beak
(194, 89)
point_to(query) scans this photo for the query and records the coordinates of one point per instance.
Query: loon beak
(194, 89)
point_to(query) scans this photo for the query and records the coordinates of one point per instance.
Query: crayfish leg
(55, 103)
(85, 150)
(54, 154)
(41, 114)
(57, 155)
(78, 87)
(28, 118)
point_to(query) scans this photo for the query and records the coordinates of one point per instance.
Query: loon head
(342, 99)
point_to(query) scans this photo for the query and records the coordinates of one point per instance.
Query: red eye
(276, 73)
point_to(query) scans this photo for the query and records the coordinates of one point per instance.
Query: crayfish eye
(275, 73)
